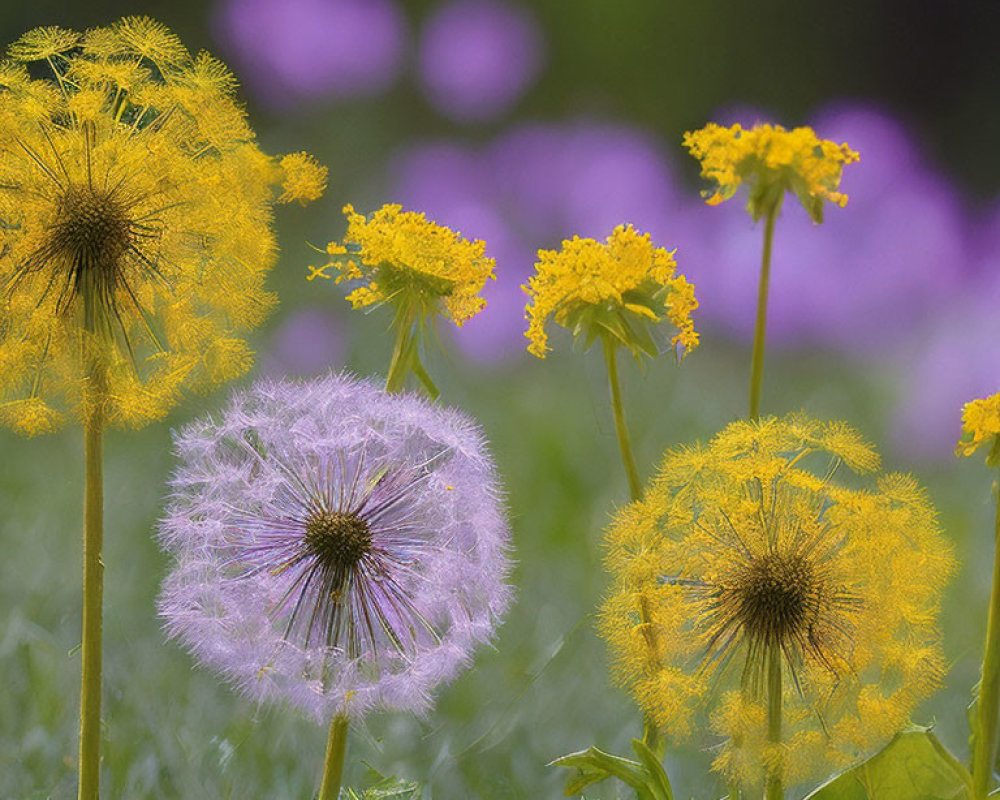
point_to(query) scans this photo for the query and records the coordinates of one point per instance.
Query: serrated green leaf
(913, 766)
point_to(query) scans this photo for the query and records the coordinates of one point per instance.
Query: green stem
(650, 731)
(989, 690)
(333, 766)
(634, 484)
(757, 362)
(93, 592)
(774, 790)
(399, 366)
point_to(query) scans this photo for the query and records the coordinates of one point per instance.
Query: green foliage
(383, 787)
(913, 766)
(592, 765)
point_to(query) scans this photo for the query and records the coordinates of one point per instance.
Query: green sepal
(913, 766)
(626, 327)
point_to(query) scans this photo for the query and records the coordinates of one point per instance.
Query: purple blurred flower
(866, 277)
(477, 57)
(530, 188)
(308, 343)
(953, 360)
(336, 547)
(293, 50)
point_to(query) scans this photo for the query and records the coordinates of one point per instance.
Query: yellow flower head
(981, 426)
(739, 551)
(618, 288)
(134, 223)
(771, 161)
(402, 257)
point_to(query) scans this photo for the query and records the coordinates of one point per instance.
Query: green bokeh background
(173, 731)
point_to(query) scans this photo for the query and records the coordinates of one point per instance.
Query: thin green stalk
(634, 484)
(333, 766)
(989, 691)
(93, 593)
(399, 366)
(760, 329)
(650, 731)
(774, 789)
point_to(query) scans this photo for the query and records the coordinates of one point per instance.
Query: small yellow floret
(411, 261)
(771, 161)
(304, 178)
(981, 427)
(610, 288)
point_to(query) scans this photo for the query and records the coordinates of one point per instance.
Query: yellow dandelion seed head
(412, 262)
(981, 428)
(770, 160)
(135, 210)
(617, 288)
(748, 545)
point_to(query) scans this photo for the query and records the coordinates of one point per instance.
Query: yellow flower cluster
(405, 258)
(613, 288)
(981, 426)
(134, 223)
(740, 549)
(771, 160)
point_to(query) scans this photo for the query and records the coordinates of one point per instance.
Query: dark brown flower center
(93, 232)
(774, 597)
(337, 540)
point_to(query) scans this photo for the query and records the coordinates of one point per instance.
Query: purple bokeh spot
(308, 343)
(292, 50)
(477, 57)
(954, 360)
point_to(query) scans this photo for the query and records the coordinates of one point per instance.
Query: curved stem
(774, 789)
(399, 366)
(989, 691)
(333, 766)
(93, 592)
(650, 731)
(760, 328)
(634, 484)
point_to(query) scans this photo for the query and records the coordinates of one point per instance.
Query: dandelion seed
(739, 554)
(336, 547)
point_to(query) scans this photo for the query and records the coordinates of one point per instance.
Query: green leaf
(593, 765)
(382, 787)
(646, 776)
(913, 766)
(659, 783)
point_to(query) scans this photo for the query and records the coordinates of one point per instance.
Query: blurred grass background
(173, 731)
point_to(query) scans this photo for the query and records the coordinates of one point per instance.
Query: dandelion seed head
(748, 546)
(135, 231)
(336, 548)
